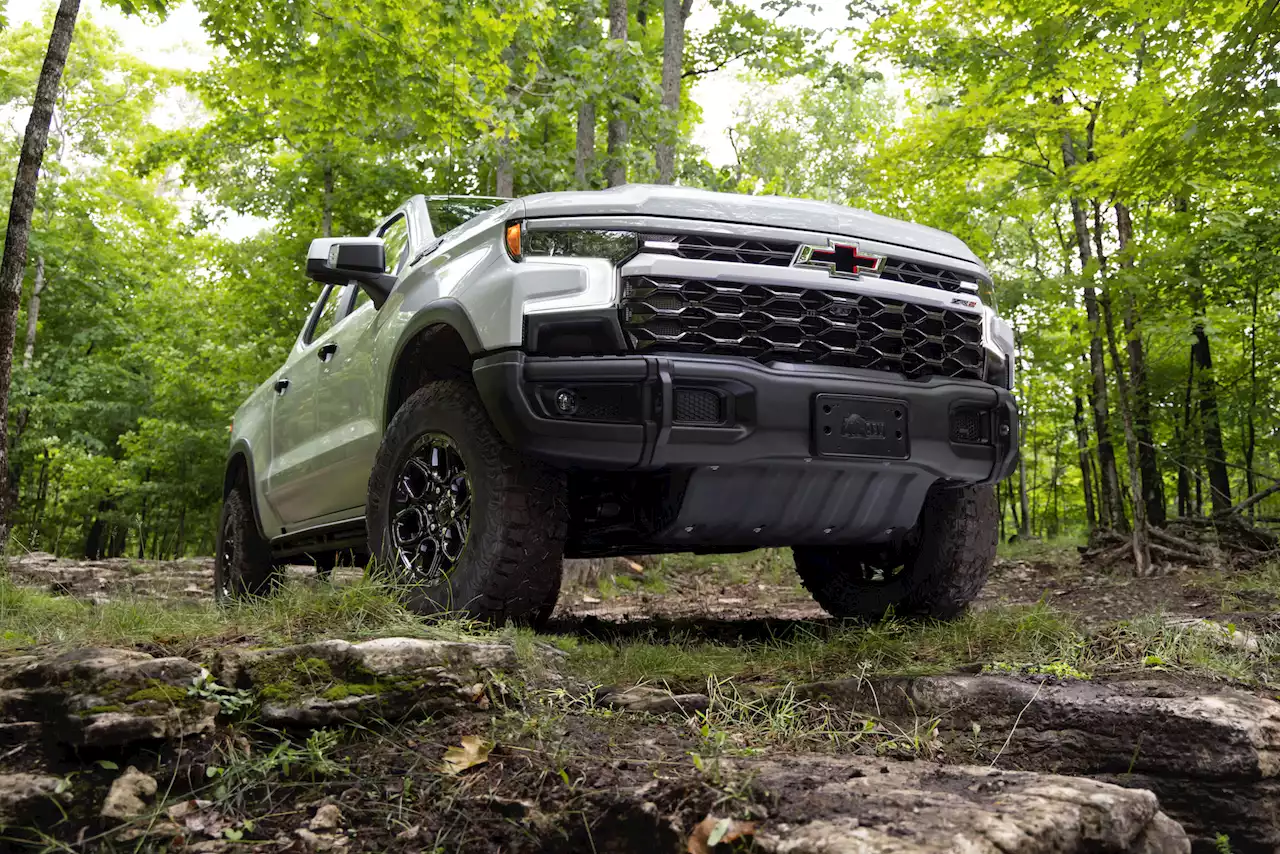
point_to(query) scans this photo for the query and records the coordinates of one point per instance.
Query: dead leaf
(474, 751)
(590, 600)
(712, 831)
(635, 567)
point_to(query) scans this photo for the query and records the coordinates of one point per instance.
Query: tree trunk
(1184, 445)
(1251, 436)
(1082, 443)
(18, 231)
(585, 154)
(1111, 515)
(505, 180)
(674, 14)
(1215, 453)
(326, 218)
(619, 133)
(1152, 482)
(33, 314)
(1024, 527)
(1141, 543)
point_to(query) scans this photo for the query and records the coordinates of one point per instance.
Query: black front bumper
(643, 413)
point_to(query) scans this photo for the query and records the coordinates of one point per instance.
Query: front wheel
(242, 567)
(936, 570)
(458, 519)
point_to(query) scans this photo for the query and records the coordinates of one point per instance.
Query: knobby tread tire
(510, 568)
(251, 572)
(959, 528)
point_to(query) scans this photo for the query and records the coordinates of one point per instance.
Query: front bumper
(643, 413)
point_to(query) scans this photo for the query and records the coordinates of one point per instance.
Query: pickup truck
(487, 386)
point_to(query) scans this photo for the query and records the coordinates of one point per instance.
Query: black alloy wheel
(431, 510)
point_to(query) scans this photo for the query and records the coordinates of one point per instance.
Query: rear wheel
(458, 519)
(936, 570)
(242, 566)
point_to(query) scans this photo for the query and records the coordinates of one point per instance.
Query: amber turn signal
(513, 240)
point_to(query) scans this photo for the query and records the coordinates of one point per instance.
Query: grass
(1020, 639)
(1060, 550)
(299, 613)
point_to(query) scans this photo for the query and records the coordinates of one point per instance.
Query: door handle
(326, 351)
(282, 385)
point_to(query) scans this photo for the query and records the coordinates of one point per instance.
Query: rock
(832, 806)
(129, 795)
(328, 682)
(645, 698)
(26, 798)
(1212, 759)
(1229, 636)
(105, 697)
(327, 818)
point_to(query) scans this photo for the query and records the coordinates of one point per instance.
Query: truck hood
(774, 211)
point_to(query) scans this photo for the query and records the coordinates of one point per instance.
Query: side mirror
(342, 260)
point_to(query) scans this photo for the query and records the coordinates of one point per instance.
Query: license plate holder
(846, 425)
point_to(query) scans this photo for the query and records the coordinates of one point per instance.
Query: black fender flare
(240, 450)
(442, 312)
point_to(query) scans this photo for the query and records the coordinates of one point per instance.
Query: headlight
(987, 293)
(616, 246)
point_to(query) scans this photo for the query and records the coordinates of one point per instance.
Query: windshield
(448, 214)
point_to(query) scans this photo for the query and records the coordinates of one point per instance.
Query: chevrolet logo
(842, 260)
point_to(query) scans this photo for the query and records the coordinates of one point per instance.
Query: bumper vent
(697, 406)
(777, 253)
(806, 325)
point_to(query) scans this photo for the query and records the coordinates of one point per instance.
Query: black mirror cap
(343, 260)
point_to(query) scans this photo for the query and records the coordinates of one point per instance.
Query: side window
(396, 236)
(361, 298)
(328, 313)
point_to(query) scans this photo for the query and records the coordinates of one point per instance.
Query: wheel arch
(240, 467)
(441, 344)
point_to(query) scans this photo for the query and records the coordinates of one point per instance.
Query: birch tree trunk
(33, 314)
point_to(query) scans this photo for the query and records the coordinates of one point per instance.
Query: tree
(17, 231)
(675, 13)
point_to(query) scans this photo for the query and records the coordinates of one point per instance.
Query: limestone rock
(1189, 748)
(850, 806)
(646, 698)
(129, 795)
(26, 797)
(105, 697)
(327, 682)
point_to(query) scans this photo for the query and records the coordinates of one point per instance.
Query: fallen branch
(1250, 501)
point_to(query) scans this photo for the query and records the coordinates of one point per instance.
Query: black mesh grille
(777, 253)
(807, 325)
(697, 406)
(699, 247)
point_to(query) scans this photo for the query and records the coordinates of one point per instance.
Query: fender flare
(240, 449)
(443, 312)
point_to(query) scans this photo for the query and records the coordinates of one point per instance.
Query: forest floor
(695, 704)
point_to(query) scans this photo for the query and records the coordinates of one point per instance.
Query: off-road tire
(942, 571)
(242, 566)
(509, 569)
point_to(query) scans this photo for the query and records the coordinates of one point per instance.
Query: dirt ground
(570, 770)
(718, 590)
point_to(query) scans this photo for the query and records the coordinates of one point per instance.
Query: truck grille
(778, 323)
(777, 253)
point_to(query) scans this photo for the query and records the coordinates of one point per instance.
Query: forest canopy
(1115, 163)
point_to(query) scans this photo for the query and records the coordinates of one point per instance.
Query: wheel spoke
(430, 510)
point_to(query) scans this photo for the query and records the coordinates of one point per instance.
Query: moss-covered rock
(333, 681)
(106, 697)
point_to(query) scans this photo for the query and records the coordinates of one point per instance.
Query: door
(292, 477)
(348, 430)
